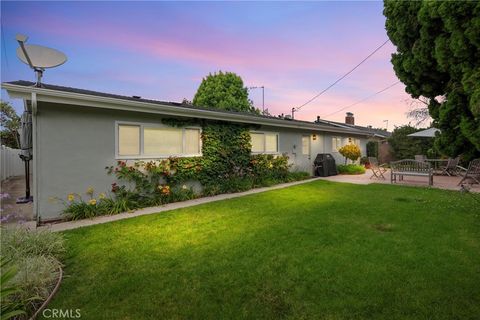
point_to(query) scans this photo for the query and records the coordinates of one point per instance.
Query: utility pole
(386, 126)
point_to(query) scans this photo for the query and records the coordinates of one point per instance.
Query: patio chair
(472, 173)
(378, 170)
(420, 157)
(451, 169)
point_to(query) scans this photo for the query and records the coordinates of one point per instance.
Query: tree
(350, 151)
(10, 123)
(437, 58)
(223, 91)
(405, 147)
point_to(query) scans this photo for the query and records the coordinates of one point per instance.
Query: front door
(305, 155)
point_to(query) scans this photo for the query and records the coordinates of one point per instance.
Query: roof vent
(288, 117)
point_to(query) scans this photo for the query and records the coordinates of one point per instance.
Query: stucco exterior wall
(76, 143)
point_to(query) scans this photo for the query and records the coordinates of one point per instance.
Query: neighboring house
(77, 133)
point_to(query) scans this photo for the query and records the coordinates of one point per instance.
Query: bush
(372, 149)
(350, 169)
(350, 151)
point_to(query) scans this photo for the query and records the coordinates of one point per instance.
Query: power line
(342, 77)
(364, 99)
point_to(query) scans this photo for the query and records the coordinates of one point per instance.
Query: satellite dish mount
(38, 57)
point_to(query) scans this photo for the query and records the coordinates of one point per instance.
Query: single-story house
(77, 133)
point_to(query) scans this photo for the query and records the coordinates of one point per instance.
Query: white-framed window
(264, 142)
(306, 145)
(336, 143)
(146, 141)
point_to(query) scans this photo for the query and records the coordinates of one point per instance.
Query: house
(77, 133)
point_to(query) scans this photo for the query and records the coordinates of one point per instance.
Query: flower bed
(152, 183)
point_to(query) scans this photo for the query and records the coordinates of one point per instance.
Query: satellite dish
(39, 57)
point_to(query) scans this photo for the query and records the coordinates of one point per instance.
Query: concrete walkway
(12, 189)
(440, 182)
(171, 206)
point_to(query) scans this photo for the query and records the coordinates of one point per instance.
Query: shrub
(19, 243)
(350, 151)
(35, 254)
(10, 307)
(372, 149)
(350, 169)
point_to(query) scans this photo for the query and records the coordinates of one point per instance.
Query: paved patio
(440, 182)
(12, 189)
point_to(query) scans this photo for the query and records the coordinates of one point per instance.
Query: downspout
(35, 157)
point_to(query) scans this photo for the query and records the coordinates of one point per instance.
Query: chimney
(349, 119)
(318, 119)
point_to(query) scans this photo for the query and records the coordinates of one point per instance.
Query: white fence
(10, 163)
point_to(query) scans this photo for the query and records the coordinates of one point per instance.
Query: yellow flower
(90, 191)
(92, 202)
(102, 195)
(71, 197)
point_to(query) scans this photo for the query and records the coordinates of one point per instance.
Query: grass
(350, 169)
(320, 250)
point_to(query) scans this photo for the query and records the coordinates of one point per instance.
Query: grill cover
(324, 165)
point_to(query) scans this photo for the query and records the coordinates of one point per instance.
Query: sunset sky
(162, 50)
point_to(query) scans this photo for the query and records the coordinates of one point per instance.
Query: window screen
(192, 141)
(258, 143)
(128, 140)
(162, 141)
(271, 142)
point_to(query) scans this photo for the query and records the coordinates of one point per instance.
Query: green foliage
(10, 307)
(350, 151)
(437, 56)
(9, 122)
(372, 149)
(350, 169)
(364, 160)
(226, 156)
(404, 147)
(36, 255)
(224, 91)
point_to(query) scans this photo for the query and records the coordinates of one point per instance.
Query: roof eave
(71, 98)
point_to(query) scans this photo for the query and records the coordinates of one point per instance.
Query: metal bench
(410, 167)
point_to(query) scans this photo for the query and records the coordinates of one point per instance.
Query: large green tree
(9, 122)
(438, 57)
(225, 91)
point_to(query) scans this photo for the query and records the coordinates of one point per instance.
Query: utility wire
(364, 99)
(342, 77)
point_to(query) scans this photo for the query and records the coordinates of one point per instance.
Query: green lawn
(320, 250)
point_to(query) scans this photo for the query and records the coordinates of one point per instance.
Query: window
(336, 143)
(264, 142)
(149, 141)
(306, 145)
(128, 140)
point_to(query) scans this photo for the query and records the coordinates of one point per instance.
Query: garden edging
(63, 226)
(50, 297)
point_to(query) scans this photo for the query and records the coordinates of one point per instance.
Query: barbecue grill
(324, 165)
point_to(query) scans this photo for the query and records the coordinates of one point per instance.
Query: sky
(162, 50)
